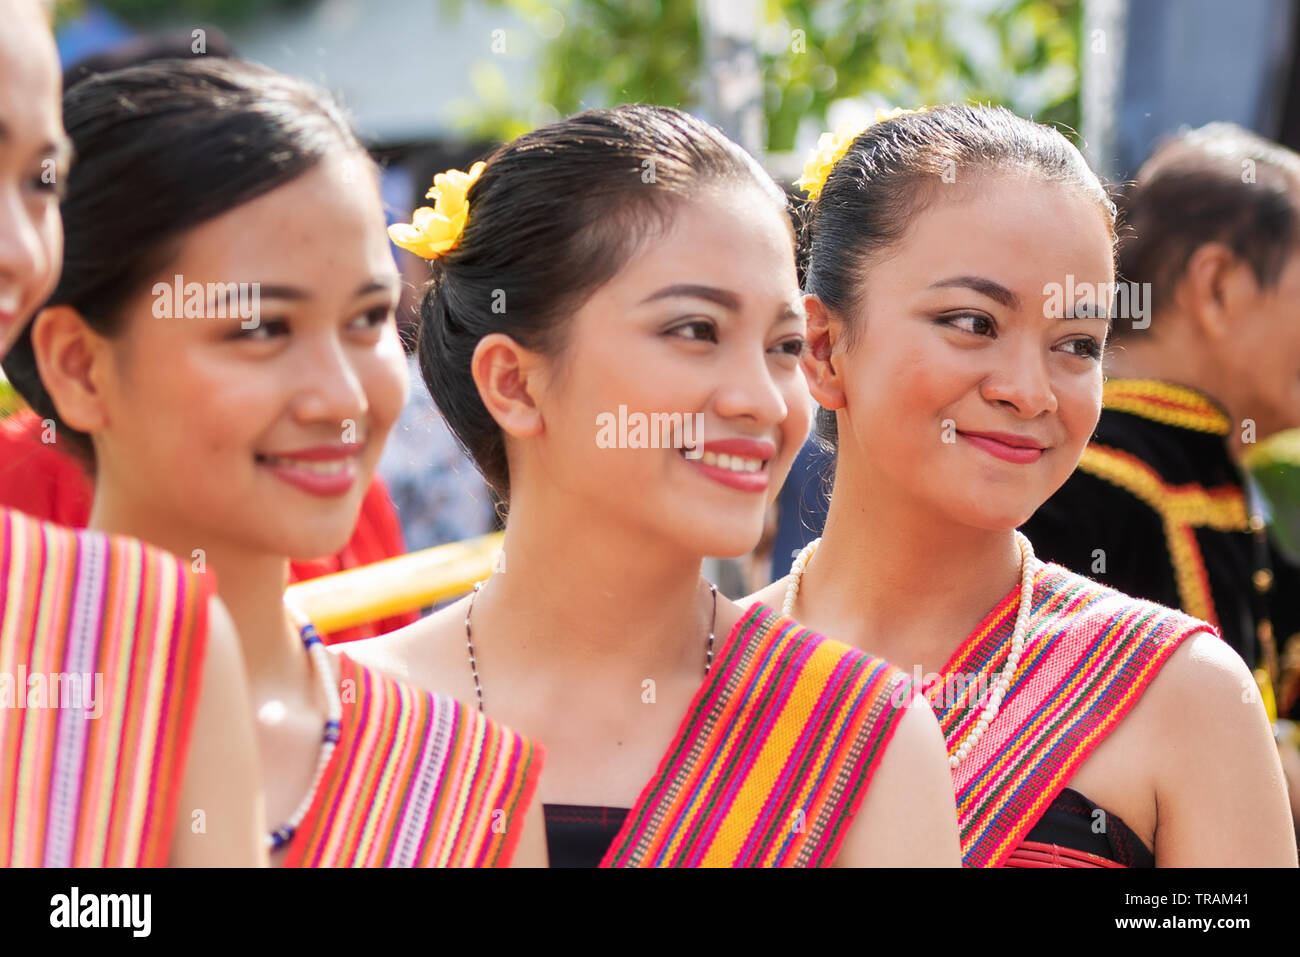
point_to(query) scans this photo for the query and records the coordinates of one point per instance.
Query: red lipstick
(323, 470)
(1017, 449)
(736, 463)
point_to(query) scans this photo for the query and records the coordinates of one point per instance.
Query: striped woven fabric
(1090, 653)
(773, 758)
(101, 650)
(416, 780)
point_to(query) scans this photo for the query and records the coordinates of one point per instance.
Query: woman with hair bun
(221, 351)
(959, 267)
(613, 331)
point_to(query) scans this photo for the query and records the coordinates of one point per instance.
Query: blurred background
(428, 77)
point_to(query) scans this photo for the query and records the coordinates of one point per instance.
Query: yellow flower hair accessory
(831, 148)
(435, 230)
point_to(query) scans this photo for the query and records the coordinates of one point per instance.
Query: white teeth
(9, 302)
(732, 463)
(334, 467)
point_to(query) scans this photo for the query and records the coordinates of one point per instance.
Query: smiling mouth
(1018, 454)
(327, 467)
(732, 463)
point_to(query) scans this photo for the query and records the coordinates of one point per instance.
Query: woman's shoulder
(1205, 675)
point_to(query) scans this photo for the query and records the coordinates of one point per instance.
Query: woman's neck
(897, 579)
(578, 594)
(251, 585)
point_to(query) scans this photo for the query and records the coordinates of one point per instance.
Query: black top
(579, 836)
(1075, 822)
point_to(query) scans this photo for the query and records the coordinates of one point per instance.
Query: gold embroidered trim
(1182, 508)
(1166, 403)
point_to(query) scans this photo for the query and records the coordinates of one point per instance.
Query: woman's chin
(728, 543)
(979, 515)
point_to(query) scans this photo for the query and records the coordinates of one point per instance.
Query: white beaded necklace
(1028, 566)
(320, 659)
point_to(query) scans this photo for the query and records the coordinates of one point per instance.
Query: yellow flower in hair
(435, 230)
(831, 148)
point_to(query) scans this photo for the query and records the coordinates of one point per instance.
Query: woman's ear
(509, 377)
(72, 360)
(825, 335)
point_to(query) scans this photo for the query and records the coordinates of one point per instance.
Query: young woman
(619, 272)
(221, 348)
(959, 270)
(126, 737)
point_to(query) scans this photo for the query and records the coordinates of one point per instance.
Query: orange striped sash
(773, 758)
(101, 645)
(417, 780)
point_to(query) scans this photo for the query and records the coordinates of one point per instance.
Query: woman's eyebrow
(985, 287)
(389, 285)
(722, 297)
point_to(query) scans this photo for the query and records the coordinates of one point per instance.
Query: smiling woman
(631, 265)
(241, 438)
(959, 388)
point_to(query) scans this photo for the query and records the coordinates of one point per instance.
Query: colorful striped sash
(417, 780)
(773, 758)
(1090, 653)
(101, 649)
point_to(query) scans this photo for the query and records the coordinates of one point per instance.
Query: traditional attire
(416, 780)
(1090, 653)
(768, 768)
(102, 644)
(1158, 509)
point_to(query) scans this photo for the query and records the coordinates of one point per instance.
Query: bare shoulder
(416, 654)
(1203, 709)
(1204, 681)
(1220, 791)
(908, 818)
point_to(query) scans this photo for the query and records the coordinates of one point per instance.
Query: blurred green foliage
(1023, 54)
(10, 400)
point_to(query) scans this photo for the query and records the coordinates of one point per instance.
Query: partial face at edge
(969, 391)
(33, 166)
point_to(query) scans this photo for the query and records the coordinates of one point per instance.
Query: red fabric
(1038, 854)
(37, 478)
